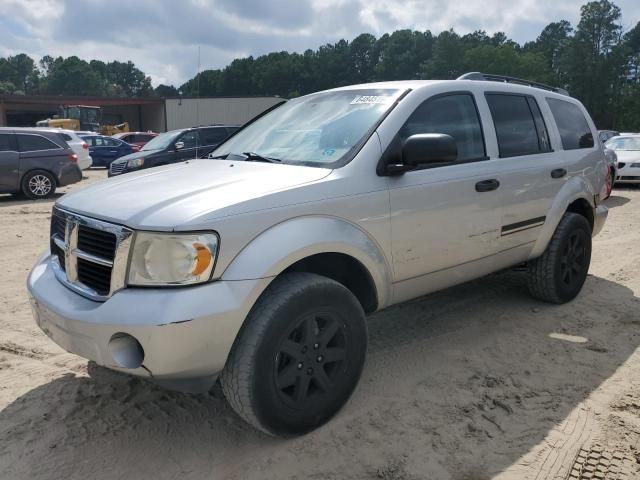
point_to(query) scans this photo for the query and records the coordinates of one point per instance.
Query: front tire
(559, 274)
(38, 184)
(298, 356)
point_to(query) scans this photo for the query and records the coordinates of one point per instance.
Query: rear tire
(298, 356)
(559, 274)
(38, 184)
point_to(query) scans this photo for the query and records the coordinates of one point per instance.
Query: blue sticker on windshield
(328, 152)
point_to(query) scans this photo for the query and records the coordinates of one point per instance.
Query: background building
(148, 113)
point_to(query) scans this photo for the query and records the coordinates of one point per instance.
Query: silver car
(258, 266)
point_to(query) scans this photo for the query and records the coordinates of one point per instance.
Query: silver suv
(258, 266)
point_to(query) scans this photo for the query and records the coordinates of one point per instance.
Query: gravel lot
(475, 382)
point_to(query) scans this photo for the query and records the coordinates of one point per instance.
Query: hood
(166, 197)
(137, 154)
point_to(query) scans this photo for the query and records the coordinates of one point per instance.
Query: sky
(162, 37)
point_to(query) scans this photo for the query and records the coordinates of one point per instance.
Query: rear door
(105, 149)
(39, 152)
(9, 163)
(531, 172)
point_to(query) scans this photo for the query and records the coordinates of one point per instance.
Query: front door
(188, 144)
(9, 163)
(447, 215)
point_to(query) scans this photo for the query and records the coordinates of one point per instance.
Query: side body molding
(575, 188)
(279, 247)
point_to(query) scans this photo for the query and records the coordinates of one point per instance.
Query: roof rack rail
(506, 79)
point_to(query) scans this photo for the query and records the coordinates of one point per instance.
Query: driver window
(190, 139)
(454, 115)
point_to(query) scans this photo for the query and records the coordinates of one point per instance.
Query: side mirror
(179, 145)
(427, 148)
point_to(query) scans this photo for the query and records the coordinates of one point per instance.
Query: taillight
(85, 146)
(73, 157)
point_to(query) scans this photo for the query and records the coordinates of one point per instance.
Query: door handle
(487, 185)
(558, 173)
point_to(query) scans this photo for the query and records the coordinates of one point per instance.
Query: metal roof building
(143, 113)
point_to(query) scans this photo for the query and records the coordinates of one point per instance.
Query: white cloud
(162, 36)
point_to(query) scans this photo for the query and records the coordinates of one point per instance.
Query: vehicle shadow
(459, 384)
(616, 201)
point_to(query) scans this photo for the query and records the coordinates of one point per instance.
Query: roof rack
(489, 77)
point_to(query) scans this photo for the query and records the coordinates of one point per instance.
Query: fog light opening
(126, 351)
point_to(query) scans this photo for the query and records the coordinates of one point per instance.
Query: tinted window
(515, 125)
(574, 129)
(32, 143)
(66, 137)
(6, 142)
(454, 115)
(190, 139)
(213, 136)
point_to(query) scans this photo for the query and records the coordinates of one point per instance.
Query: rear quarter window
(572, 125)
(34, 143)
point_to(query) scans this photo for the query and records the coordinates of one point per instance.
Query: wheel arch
(325, 245)
(38, 169)
(576, 196)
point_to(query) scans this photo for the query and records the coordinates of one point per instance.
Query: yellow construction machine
(82, 117)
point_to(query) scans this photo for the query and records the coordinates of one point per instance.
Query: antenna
(198, 104)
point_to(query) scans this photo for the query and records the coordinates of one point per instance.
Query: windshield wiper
(256, 157)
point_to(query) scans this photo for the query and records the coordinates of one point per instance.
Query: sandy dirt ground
(472, 383)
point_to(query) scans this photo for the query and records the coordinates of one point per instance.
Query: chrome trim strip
(92, 258)
(119, 265)
(76, 287)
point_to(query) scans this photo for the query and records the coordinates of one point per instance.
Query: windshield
(624, 143)
(162, 141)
(317, 130)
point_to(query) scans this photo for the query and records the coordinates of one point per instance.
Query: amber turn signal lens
(203, 258)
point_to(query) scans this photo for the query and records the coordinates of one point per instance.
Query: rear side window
(213, 136)
(454, 115)
(67, 138)
(6, 142)
(574, 129)
(519, 126)
(34, 143)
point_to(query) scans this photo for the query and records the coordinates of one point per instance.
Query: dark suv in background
(172, 147)
(35, 163)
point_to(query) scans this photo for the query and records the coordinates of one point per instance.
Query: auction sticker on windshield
(372, 99)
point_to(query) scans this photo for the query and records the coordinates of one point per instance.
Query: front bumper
(186, 333)
(628, 173)
(599, 217)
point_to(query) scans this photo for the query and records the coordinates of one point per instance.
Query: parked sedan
(627, 149)
(138, 139)
(105, 150)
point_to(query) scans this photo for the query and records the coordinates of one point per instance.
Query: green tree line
(20, 75)
(596, 60)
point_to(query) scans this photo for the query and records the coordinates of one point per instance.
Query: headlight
(172, 258)
(135, 163)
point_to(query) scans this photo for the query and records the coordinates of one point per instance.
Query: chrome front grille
(117, 167)
(91, 254)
